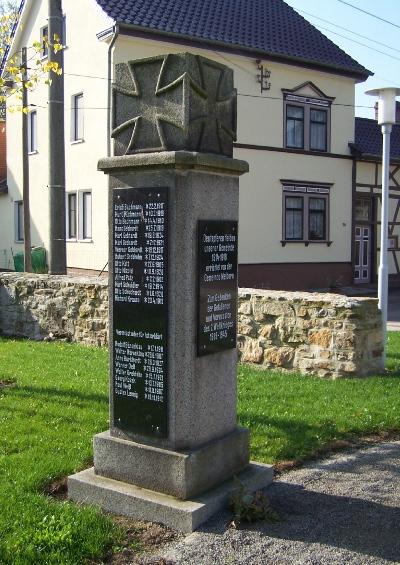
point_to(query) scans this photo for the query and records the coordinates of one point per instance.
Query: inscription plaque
(140, 313)
(217, 285)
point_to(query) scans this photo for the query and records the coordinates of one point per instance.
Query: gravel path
(343, 510)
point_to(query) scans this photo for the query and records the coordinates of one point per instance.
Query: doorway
(362, 257)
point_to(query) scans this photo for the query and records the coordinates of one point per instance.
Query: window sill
(71, 240)
(307, 150)
(35, 152)
(306, 242)
(84, 240)
(77, 141)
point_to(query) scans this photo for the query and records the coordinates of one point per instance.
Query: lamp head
(386, 103)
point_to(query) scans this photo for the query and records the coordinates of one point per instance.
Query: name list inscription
(217, 284)
(140, 316)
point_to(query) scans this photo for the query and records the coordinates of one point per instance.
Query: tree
(22, 72)
(13, 75)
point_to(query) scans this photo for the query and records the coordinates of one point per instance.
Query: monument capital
(172, 103)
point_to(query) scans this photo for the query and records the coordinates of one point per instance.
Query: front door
(362, 259)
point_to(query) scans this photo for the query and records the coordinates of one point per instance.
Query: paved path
(343, 510)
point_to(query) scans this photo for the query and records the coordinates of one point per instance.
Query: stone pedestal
(173, 445)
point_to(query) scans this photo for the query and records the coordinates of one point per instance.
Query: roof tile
(368, 138)
(263, 25)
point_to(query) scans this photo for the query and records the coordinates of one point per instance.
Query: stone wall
(328, 335)
(54, 307)
(323, 334)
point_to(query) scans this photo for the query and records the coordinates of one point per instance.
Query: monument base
(142, 504)
(182, 474)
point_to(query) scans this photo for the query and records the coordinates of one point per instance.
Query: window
(44, 36)
(32, 132)
(72, 214)
(316, 219)
(362, 210)
(305, 213)
(19, 220)
(318, 130)
(294, 126)
(77, 117)
(307, 123)
(86, 215)
(294, 217)
(79, 215)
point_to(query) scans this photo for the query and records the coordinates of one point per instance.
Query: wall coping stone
(336, 300)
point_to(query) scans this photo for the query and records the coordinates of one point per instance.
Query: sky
(386, 67)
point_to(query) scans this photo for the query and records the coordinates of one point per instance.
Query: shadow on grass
(28, 391)
(393, 372)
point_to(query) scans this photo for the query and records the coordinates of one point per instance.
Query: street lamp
(386, 118)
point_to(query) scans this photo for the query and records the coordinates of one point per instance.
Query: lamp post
(386, 118)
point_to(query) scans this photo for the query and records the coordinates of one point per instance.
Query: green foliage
(53, 399)
(38, 70)
(47, 420)
(250, 507)
(292, 416)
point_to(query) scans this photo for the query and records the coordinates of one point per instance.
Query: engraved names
(139, 261)
(140, 319)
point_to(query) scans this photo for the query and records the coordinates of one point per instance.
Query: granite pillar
(173, 444)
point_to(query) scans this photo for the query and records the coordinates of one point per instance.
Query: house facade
(295, 123)
(367, 198)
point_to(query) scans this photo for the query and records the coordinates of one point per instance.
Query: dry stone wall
(327, 335)
(54, 307)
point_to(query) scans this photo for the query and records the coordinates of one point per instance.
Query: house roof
(268, 27)
(368, 139)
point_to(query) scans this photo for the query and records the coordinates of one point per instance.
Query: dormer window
(307, 118)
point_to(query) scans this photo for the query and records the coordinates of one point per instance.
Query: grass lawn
(58, 400)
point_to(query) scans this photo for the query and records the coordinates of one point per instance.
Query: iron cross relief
(173, 102)
(217, 115)
(141, 105)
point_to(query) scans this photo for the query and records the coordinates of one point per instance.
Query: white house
(295, 122)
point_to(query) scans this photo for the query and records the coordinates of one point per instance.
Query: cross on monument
(173, 102)
(217, 127)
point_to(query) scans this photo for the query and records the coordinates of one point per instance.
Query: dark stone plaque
(140, 314)
(217, 284)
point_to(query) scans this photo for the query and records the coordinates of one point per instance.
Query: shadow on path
(354, 524)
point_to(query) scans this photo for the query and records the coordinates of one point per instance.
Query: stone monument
(173, 446)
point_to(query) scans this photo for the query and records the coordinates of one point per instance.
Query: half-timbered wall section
(366, 221)
(367, 196)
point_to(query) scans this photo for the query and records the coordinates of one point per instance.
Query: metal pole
(383, 263)
(25, 168)
(109, 96)
(57, 243)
